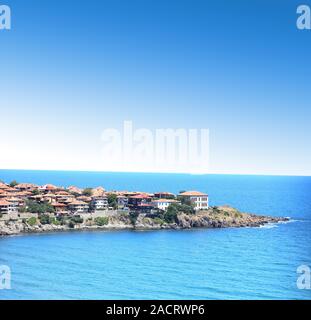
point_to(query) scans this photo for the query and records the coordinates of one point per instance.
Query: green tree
(87, 192)
(113, 200)
(35, 207)
(13, 183)
(170, 215)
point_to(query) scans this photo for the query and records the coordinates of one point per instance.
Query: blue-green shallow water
(248, 263)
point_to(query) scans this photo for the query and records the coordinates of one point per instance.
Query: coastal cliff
(214, 217)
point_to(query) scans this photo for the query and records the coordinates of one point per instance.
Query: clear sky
(69, 69)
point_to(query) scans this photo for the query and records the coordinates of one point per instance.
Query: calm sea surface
(248, 263)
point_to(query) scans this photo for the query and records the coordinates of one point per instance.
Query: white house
(7, 207)
(78, 207)
(198, 199)
(163, 204)
(100, 203)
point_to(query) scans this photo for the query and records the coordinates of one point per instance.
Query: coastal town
(30, 208)
(18, 198)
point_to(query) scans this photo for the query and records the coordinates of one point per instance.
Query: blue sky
(69, 69)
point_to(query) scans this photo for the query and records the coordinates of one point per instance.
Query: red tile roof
(193, 193)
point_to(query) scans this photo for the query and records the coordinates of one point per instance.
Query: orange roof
(167, 193)
(76, 202)
(49, 187)
(4, 203)
(140, 196)
(193, 193)
(74, 189)
(26, 185)
(56, 204)
(3, 185)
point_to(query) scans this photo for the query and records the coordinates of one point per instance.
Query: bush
(35, 207)
(61, 220)
(133, 217)
(101, 221)
(71, 225)
(45, 219)
(76, 219)
(158, 220)
(32, 221)
(54, 221)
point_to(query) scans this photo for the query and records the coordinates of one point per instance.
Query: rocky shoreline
(214, 217)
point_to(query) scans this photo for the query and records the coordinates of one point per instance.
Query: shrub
(32, 221)
(76, 219)
(158, 220)
(101, 221)
(54, 221)
(71, 225)
(45, 219)
(61, 220)
(133, 217)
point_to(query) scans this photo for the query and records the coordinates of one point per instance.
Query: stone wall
(18, 216)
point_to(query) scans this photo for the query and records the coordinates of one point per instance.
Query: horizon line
(148, 172)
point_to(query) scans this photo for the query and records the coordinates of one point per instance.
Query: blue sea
(246, 263)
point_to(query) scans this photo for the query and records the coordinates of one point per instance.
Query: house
(49, 188)
(99, 203)
(138, 199)
(98, 192)
(77, 206)
(49, 197)
(122, 202)
(163, 204)
(198, 199)
(26, 187)
(60, 208)
(140, 203)
(7, 207)
(74, 189)
(4, 207)
(16, 202)
(164, 195)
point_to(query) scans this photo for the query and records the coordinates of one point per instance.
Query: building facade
(197, 199)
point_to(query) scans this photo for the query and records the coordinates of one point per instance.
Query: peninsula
(28, 208)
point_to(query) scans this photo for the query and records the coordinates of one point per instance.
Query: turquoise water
(248, 263)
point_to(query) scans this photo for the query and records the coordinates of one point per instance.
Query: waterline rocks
(214, 217)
